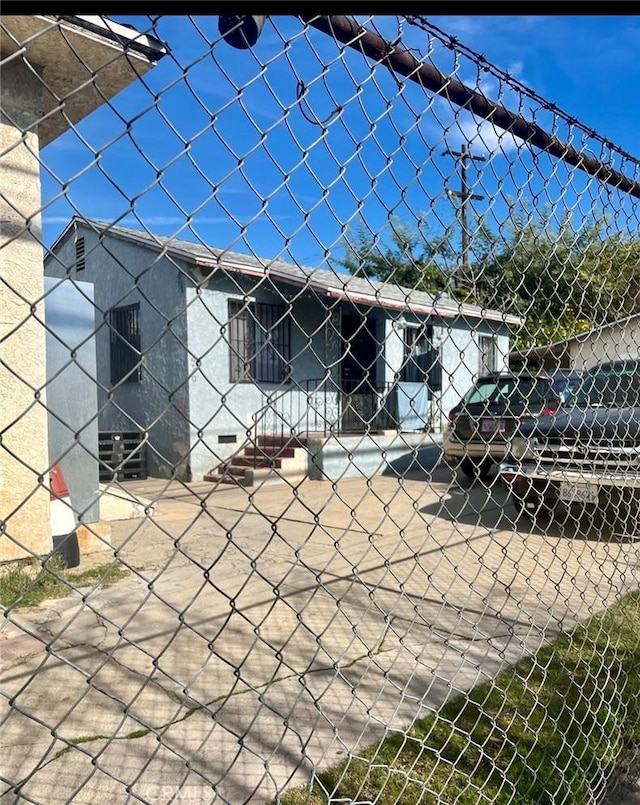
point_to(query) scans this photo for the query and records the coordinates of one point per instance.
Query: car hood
(587, 424)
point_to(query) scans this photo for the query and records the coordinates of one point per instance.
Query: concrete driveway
(264, 634)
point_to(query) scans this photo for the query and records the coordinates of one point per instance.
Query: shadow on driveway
(486, 504)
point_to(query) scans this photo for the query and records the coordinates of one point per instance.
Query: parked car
(586, 455)
(484, 421)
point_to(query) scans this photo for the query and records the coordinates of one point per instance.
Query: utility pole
(463, 155)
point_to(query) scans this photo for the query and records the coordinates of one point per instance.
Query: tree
(410, 259)
(561, 279)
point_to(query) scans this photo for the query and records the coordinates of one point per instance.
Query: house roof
(559, 348)
(328, 283)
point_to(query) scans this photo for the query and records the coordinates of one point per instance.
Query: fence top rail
(401, 61)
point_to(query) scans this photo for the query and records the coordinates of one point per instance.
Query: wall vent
(80, 261)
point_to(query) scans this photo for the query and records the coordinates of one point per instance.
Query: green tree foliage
(562, 279)
(410, 258)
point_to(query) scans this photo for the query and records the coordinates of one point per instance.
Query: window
(418, 354)
(488, 357)
(516, 391)
(421, 360)
(259, 340)
(612, 386)
(80, 257)
(124, 323)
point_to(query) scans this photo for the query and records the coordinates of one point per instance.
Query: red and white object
(63, 521)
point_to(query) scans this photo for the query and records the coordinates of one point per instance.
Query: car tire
(476, 467)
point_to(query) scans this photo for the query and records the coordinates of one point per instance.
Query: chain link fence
(320, 420)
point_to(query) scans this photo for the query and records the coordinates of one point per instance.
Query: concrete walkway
(266, 634)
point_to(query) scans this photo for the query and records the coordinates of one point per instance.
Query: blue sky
(214, 145)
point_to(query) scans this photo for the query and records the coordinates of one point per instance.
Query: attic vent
(80, 264)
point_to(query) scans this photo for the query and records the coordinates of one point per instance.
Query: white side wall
(608, 344)
(72, 398)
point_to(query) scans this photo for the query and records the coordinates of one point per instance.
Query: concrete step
(253, 477)
(231, 469)
(228, 478)
(255, 461)
(282, 441)
(270, 450)
(272, 458)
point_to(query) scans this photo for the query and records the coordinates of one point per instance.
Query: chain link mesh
(330, 329)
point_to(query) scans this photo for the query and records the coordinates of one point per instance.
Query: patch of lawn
(21, 587)
(549, 730)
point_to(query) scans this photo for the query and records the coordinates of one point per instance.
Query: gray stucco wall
(459, 345)
(223, 413)
(367, 455)
(123, 274)
(72, 400)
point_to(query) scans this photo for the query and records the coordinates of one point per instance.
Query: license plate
(577, 492)
(492, 426)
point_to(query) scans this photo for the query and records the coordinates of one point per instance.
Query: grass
(550, 730)
(22, 585)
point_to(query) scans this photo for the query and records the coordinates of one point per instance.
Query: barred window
(124, 323)
(259, 340)
(488, 354)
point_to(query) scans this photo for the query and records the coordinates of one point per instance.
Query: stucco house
(202, 350)
(609, 342)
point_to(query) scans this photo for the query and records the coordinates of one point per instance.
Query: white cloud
(483, 137)
(515, 69)
(154, 220)
(476, 31)
(58, 219)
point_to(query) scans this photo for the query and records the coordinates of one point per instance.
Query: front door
(358, 373)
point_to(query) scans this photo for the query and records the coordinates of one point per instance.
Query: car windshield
(615, 387)
(512, 391)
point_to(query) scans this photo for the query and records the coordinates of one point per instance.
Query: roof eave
(258, 271)
(81, 62)
(360, 298)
